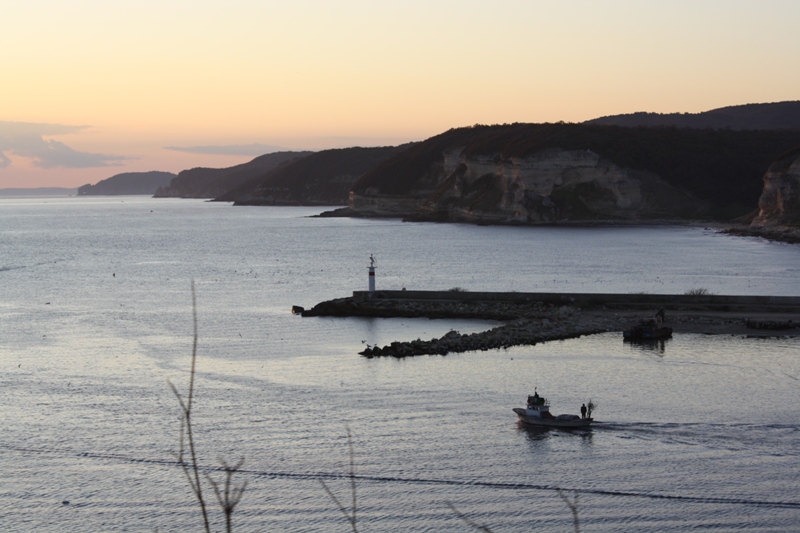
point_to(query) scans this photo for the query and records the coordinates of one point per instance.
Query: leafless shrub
(700, 291)
(229, 498)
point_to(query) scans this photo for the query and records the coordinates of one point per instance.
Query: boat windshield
(535, 400)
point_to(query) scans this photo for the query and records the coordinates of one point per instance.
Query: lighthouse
(371, 269)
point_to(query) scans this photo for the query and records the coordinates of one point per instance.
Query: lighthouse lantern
(371, 269)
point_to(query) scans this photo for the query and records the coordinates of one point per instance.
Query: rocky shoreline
(532, 322)
(777, 233)
(785, 234)
(772, 232)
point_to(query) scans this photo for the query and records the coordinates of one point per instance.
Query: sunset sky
(91, 88)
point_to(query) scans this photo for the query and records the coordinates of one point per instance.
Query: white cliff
(548, 186)
(779, 204)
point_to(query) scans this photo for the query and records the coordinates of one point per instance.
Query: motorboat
(537, 413)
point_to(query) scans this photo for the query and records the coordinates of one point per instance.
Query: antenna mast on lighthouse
(371, 273)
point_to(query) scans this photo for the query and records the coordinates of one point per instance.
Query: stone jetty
(532, 318)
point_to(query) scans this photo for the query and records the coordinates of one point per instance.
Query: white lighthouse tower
(371, 269)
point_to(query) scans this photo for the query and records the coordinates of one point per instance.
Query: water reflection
(656, 346)
(541, 433)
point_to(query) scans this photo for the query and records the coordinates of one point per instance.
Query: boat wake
(759, 438)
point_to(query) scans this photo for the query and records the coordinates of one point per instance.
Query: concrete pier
(530, 318)
(770, 304)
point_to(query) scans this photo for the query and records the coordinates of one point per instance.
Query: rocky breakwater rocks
(530, 323)
(519, 332)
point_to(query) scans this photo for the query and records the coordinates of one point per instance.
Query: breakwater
(531, 318)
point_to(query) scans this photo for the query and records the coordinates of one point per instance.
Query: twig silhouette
(228, 499)
(191, 470)
(351, 515)
(573, 506)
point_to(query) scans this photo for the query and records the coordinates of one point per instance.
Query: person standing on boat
(533, 400)
(583, 411)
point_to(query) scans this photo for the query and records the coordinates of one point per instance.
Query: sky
(92, 88)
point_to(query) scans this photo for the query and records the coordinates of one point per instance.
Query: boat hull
(551, 422)
(647, 334)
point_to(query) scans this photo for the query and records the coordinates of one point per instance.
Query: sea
(97, 327)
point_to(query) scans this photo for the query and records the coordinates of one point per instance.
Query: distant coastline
(38, 191)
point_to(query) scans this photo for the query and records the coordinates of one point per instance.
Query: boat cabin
(539, 407)
(537, 413)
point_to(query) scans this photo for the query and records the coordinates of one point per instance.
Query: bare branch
(177, 395)
(573, 506)
(228, 499)
(192, 470)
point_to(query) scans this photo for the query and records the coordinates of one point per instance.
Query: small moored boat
(647, 330)
(651, 329)
(537, 413)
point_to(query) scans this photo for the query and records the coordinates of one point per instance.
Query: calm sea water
(96, 316)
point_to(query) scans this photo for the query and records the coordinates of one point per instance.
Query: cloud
(27, 140)
(231, 149)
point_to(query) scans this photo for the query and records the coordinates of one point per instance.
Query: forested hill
(213, 182)
(128, 183)
(779, 115)
(552, 172)
(322, 178)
